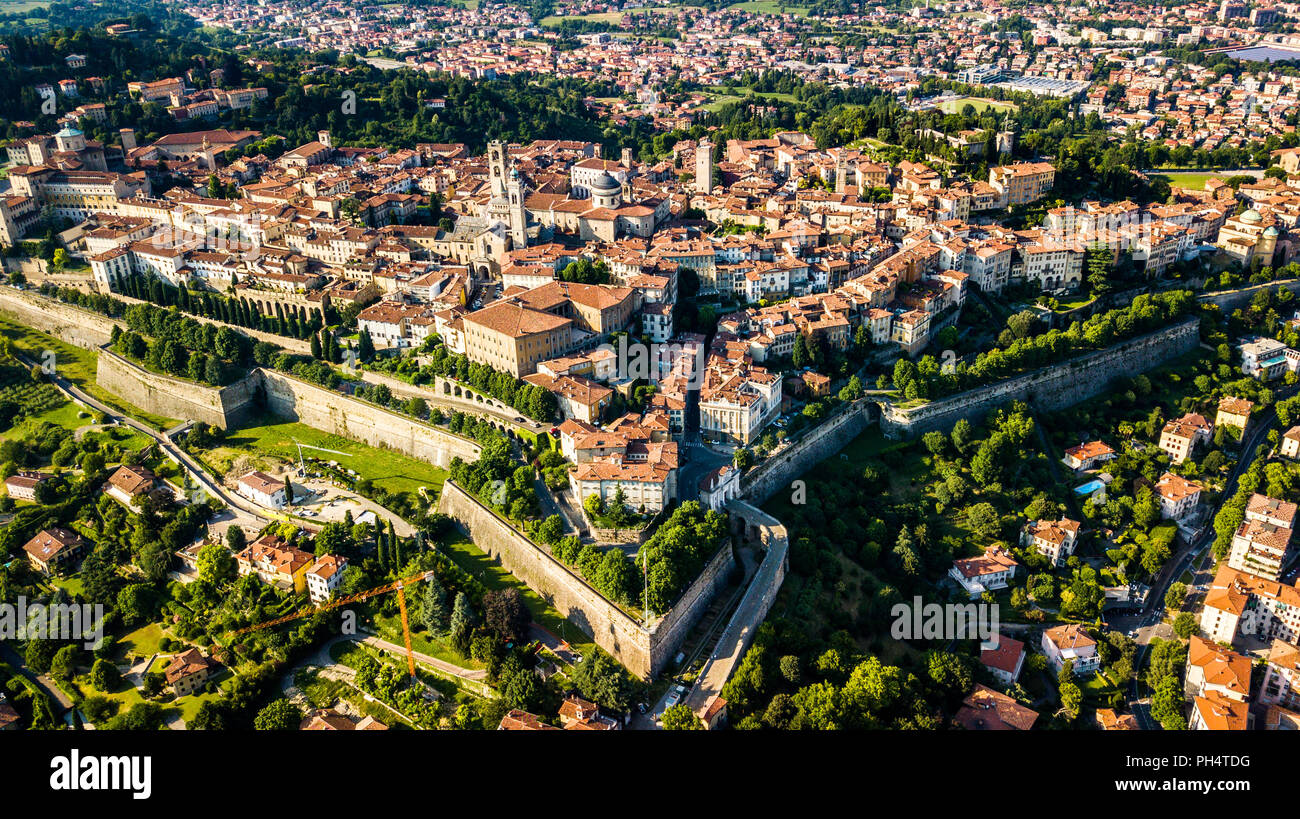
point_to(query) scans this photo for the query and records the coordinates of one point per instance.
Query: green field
(77, 365)
(554, 20)
(16, 6)
(1191, 180)
(956, 106)
(721, 97)
(274, 437)
(771, 7)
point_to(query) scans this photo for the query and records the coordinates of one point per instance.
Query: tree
(215, 563)
(434, 606)
(280, 715)
(505, 615)
(680, 717)
(105, 676)
(935, 441)
(462, 623)
(1185, 624)
(800, 356)
(1071, 699)
(519, 687)
(65, 663)
(235, 539)
(601, 679)
(1175, 596)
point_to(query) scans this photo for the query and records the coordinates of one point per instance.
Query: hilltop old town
(648, 365)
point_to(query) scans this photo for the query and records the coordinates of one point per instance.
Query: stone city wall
(644, 652)
(1050, 388)
(174, 397)
(339, 414)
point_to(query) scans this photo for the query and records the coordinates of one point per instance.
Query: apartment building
(1022, 183)
(1178, 496)
(324, 577)
(1262, 543)
(1254, 606)
(1212, 668)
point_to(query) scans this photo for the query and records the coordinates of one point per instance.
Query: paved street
(1197, 553)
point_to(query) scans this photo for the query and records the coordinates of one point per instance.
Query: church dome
(1270, 231)
(1252, 216)
(605, 184)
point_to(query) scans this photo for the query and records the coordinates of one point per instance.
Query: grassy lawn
(76, 365)
(610, 17)
(723, 96)
(64, 416)
(1191, 180)
(956, 106)
(771, 7)
(390, 629)
(142, 642)
(72, 585)
(1076, 302)
(274, 438)
(484, 569)
(868, 445)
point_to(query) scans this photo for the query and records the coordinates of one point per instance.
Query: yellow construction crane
(398, 586)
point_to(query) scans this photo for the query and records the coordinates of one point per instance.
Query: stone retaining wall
(644, 652)
(176, 398)
(358, 420)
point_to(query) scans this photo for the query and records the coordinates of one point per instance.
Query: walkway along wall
(754, 606)
(285, 396)
(174, 397)
(1230, 300)
(644, 652)
(86, 328)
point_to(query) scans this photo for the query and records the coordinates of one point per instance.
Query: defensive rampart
(173, 397)
(643, 651)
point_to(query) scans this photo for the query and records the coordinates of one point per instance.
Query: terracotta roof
(1221, 666)
(186, 664)
(48, 543)
(1221, 713)
(1005, 656)
(989, 710)
(514, 320)
(133, 480)
(516, 720)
